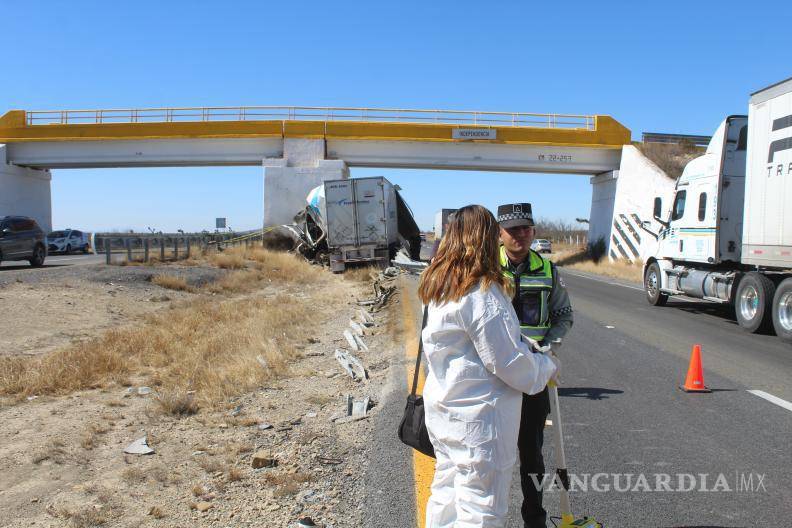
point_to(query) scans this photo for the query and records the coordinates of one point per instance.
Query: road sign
(220, 223)
(474, 133)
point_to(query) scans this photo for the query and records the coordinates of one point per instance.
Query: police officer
(542, 305)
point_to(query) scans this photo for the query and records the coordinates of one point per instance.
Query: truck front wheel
(652, 284)
(753, 303)
(782, 310)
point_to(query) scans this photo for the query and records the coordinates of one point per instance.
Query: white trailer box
(767, 228)
(441, 218)
(361, 219)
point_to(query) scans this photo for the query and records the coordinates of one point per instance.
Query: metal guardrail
(139, 247)
(658, 137)
(309, 113)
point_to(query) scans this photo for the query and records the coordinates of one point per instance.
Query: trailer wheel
(652, 284)
(782, 310)
(753, 303)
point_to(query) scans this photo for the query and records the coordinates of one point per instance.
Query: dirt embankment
(237, 366)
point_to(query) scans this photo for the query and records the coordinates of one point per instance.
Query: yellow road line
(423, 466)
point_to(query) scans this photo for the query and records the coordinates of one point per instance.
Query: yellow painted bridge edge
(607, 133)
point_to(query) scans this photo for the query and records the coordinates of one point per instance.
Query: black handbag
(412, 429)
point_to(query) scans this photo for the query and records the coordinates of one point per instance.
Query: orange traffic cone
(695, 376)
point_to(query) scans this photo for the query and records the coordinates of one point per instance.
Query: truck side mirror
(658, 207)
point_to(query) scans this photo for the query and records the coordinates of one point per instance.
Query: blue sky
(655, 66)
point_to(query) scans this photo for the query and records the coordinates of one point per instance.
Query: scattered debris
(391, 271)
(351, 365)
(31, 398)
(263, 459)
(365, 318)
(139, 447)
(237, 410)
(311, 415)
(264, 426)
(356, 327)
(262, 361)
(404, 262)
(358, 408)
(305, 522)
(143, 391)
(355, 342)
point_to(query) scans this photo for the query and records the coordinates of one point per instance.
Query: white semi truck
(728, 235)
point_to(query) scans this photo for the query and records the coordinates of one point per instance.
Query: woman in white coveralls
(477, 370)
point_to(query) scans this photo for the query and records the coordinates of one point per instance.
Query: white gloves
(557, 363)
(548, 350)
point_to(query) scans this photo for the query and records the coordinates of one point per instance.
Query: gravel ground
(44, 309)
(62, 458)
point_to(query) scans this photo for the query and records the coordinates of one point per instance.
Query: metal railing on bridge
(310, 113)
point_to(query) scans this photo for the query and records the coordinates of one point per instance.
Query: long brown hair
(468, 255)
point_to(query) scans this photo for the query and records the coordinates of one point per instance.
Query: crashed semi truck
(728, 235)
(357, 220)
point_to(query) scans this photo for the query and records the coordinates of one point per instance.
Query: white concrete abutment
(25, 191)
(289, 179)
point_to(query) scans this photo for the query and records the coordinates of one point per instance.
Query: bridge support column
(603, 197)
(25, 192)
(623, 201)
(288, 180)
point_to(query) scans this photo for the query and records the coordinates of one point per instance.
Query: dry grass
(319, 399)
(133, 475)
(177, 403)
(54, 451)
(172, 282)
(88, 516)
(620, 269)
(670, 157)
(235, 475)
(157, 512)
(236, 282)
(198, 490)
(287, 483)
(286, 267)
(216, 349)
(360, 273)
(212, 465)
(228, 260)
(90, 436)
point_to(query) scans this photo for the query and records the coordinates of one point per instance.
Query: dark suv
(21, 238)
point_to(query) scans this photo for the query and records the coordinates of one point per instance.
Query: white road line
(567, 272)
(75, 257)
(772, 399)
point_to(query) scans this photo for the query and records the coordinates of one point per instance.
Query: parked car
(541, 245)
(68, 240)
(21, 238)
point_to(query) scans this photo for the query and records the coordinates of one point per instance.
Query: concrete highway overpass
(299, 147)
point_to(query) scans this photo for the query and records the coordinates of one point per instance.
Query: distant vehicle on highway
(541, 245)
(67, 241)
(21, 238)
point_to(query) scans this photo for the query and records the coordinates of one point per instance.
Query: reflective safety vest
(532, 290)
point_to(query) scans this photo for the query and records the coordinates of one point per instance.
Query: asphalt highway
(645, 453)
(53, 261)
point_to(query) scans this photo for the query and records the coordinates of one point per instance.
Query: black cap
(516, 214)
